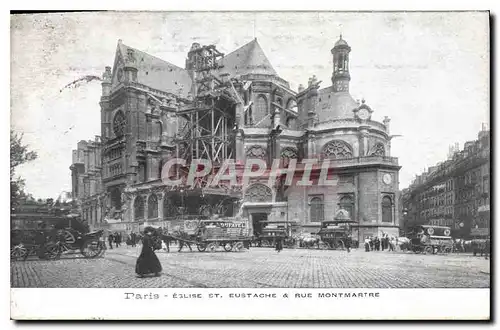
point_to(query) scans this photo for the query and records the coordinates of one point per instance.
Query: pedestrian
(279, 244)
(391, 244)
(367, 244)
(133, 238)
(110, 241)
(377, 244)
(382, 242)
(372, 243)
(148, 262)
(348, 244)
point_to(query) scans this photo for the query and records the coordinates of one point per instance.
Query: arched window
(378, 150)
(287, 154)
(116, 198)
(119, 123)
(258, 192)
(152, 207)
(386, 209)
(139, 208)
(260, 110)
(347, 203)
(291, 123)
(169, 210)
(337, 149)
(316, 209)
(291, 105)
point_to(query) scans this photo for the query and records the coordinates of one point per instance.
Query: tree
(19, 154)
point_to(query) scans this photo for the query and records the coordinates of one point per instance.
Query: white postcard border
(264, 304)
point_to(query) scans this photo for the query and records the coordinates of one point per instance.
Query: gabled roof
(249, 58)
(159, 74)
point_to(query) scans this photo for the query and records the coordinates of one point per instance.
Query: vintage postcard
(250, 165)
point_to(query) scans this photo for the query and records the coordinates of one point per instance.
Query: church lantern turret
(341, 76)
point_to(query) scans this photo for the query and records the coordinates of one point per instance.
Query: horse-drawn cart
(210, 235)
(431, 239)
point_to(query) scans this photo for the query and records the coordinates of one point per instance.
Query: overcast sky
(429, 72)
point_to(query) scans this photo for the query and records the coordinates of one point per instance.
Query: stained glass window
(119, 123)
(139, 208)
(152, 207)
(337, 150)
(387, 209)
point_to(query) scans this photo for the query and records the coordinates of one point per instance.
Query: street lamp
(182, 204)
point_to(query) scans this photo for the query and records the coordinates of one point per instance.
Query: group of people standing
(375, 243)
(117, 239)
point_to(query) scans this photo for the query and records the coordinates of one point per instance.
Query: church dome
(341, 43)
(334, 105)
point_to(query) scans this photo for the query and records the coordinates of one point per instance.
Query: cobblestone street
(259, 268)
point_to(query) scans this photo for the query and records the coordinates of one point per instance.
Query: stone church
(233, 106)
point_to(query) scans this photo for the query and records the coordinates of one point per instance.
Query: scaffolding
(206, 126)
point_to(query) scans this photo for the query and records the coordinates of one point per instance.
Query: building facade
(234, 107)
(454, 193)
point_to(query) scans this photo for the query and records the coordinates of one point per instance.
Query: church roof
(159, 74)
(341, 42)
(249, 58)
(334, 105)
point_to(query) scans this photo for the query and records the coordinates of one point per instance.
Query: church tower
(341, 76)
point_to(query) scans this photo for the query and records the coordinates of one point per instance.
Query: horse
(309, 241)
(404, 243)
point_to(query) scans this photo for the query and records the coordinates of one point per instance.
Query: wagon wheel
(228, 247)
(52, 251)
(447, 249)
(341, 244)
(18, 252)
(323, 246)
(238, 246)
(212, 247)
(91, 248)
(201, 247)
(429, 249)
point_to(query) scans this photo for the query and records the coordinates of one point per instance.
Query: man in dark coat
(111, 238)
(148, 262)
(133, 238)
(279, 244)
(118, 239)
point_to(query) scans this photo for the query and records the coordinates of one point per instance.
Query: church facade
(236, 107)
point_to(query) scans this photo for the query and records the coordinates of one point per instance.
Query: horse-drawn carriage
(53, 236)
(274, 230)
(431, 239)
(210, 235)
(335, 234)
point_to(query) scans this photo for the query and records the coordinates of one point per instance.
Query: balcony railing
(355, 161)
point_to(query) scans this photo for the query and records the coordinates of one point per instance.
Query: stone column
(145, 198)
(363, 141)
(239, 146)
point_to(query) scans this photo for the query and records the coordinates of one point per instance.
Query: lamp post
(182, 204)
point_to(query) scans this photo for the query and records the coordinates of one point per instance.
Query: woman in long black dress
(148, 262)
(279, 244)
